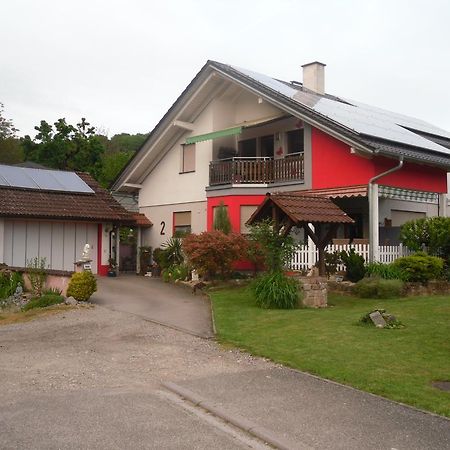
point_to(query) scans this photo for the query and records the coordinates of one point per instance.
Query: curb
(234, 419)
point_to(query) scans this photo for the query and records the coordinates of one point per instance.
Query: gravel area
(90, 377)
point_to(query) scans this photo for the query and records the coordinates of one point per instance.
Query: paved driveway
(155, 300)
(92, 379)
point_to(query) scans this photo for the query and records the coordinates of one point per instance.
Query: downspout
(373, 211)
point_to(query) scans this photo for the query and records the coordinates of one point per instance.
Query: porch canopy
(318, 216)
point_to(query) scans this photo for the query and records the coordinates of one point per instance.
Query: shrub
(160, 258)
(221, 219)
(52, 291)
(180, 272)
(36, 273)
(433, 233)
(332, 260)
(386, 271)
(81, 286)
(354, 265)
(378, 288)
(173, 252)
(276, 290)
(420, 267)
(43, 301)
(9, 282)
(276, 248)
(212, 253)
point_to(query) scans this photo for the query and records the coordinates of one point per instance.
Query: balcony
(244, 170)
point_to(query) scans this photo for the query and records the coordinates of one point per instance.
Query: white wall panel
(7, 242)
(19, 244)
(45, 242)
(57, 246)
(60, 243)
(32, 248)
(69, 246)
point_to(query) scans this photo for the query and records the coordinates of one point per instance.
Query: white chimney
(314, 77)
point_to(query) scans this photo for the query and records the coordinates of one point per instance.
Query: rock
(377, 319)
(70, 301)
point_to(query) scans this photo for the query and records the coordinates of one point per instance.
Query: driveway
(94, 378)
(152, 299)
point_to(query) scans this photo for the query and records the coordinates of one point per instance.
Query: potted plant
(112, 269)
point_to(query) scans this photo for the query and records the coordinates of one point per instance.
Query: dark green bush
(420, 267)
(160, 257)
(386, 271)
(44, 301)
(276, 290)
(9, 282)
(378, 288)
(81, 286)
(354, 265)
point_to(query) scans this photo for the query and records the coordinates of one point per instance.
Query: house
(233, 135)
(52, 214)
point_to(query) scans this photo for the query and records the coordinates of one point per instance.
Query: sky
(122, 64)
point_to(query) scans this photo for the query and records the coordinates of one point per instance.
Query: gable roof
(301, 209)
(93, 205)
(368, 129)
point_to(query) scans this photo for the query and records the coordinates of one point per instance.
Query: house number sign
(163, 226)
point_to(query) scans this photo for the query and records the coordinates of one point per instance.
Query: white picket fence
(307, 256)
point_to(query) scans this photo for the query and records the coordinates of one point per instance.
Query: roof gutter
(373, 211)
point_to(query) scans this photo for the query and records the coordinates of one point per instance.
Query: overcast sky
(121, 64)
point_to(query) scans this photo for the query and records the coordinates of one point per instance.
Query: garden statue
(18, 292)
(86, 256)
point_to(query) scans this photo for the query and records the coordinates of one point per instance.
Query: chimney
(314, 77)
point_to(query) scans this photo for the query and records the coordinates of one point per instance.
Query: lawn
(399, 364)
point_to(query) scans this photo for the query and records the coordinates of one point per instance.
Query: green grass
(399, 364)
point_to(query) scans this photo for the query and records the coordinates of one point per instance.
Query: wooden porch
(240, 170)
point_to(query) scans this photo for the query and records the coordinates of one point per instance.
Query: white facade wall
(165, 190)
(60, 243)
(162, 218)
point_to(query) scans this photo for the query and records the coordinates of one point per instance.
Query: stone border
(234, 419)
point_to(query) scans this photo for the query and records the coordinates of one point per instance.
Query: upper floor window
(187, 158)
(295, 142)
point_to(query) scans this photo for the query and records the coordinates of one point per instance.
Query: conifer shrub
(420, 267)
(81, 286)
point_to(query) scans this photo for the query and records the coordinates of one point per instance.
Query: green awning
(214, 135)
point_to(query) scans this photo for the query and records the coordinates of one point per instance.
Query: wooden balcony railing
(256, 170)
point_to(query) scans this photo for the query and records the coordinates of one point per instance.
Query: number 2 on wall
(163, 226)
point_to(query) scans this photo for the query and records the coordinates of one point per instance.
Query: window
(247, 148)
(181, 223)
(187, 158)
(246, 212)
(295, 141)
(266, 146)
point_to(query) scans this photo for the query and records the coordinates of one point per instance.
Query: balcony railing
(256, 170)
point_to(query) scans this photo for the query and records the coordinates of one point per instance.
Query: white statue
(86, 256)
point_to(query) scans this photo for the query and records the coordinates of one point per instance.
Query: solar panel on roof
(42, 179)
(362, 118)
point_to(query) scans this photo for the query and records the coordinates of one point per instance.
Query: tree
(7, 129)
(112, 164)
(66, 147)
(221, 219)
(433, 233)
(11, 151)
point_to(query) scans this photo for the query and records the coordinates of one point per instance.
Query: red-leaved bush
(212, 253)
